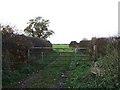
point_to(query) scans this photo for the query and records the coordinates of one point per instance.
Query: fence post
(28, 53)
(95, 52)
(75, 49)
(89, 53)
(42, 55)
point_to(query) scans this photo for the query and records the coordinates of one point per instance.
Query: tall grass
(12, 77)
(79, 70)
(108, 65)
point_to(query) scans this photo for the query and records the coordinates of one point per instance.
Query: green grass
(77, 74)
(78, 69)
(62, 48)
(51, 74)
(60, 45)
(81, 76)
(53, 64)
(11, 78)
(57, 62)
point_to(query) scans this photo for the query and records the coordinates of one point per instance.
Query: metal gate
(75, 53)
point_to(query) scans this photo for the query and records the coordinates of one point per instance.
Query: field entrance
(57, 66)
(58, 51)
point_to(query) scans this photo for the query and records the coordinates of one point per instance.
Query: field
(60, 46)
(61, 68)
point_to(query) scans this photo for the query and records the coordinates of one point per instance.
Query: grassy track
(51, 68)
(52, 73)
(12, 78)
(66, 63)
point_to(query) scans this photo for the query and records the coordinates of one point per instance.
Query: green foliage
(78, 70)
(77, 74)
(38, 27)
(52, 72)
(81, 76)
(109, 67)
(11, 77)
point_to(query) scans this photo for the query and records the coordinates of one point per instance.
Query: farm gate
(60, 60)
(64, 53)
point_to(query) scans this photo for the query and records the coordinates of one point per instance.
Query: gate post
(95, 52)
(75, 49)
(28, 53)
(42, 56)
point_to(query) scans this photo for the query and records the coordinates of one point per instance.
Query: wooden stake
(42, 55)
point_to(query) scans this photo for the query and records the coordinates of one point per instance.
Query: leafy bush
(109, 67)
(81, 76)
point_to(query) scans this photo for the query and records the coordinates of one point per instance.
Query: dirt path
(60, 83)
(25, 83)
(62, 78)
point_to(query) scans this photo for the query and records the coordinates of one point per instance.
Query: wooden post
(75, 50)
(89, 53)
(28, 53)
(42, 55)
(95, 52)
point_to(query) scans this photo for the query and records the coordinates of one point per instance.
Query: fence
(63, 52)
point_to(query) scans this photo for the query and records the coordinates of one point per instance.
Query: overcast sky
(69, 19)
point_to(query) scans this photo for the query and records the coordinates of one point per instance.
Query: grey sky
(70, 19)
